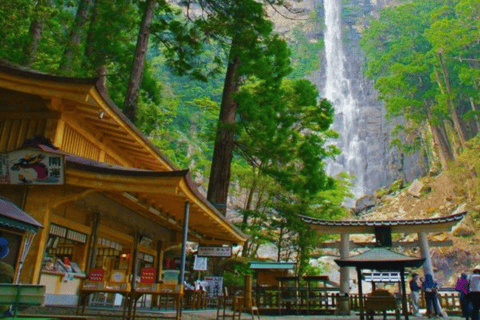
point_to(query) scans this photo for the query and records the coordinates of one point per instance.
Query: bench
(21, 295)
(381, 300)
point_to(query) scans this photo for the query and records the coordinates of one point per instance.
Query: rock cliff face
(380, 164)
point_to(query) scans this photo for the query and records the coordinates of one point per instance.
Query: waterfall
(338, 90)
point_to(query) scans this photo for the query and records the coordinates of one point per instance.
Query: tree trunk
(223, 151)
(35, 31)
(453, 111)
(131, 96)
(442, 145)
(90, 35)
(76, 35)
(251, 192)
(474, 109)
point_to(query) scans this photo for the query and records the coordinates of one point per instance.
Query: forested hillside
(214, 86)
(221, 89)
(423, 56)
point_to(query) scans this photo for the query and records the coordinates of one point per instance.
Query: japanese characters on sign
(31, 167)
(200, 263)
(214, 251)
(214, 286)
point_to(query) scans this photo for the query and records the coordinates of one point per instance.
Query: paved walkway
(209, 314)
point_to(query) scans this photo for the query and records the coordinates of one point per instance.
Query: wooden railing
(325, 300)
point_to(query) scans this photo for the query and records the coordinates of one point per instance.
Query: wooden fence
(299, 300)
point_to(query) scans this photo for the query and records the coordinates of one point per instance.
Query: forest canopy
(175, 70)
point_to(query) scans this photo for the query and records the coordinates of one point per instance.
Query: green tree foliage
(425, 70)
(279, 127)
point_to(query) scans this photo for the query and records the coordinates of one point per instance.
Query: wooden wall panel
(75, 143)
(110, 160)
(14, 132)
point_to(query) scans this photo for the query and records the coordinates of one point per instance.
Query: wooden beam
(409, 244)
(30, 115)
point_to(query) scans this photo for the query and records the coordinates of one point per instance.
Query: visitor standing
(474, 291)
(430, 289)
(415, 295)
(462, 288)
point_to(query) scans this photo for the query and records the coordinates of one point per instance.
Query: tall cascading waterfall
(359, 115)
(338, 90)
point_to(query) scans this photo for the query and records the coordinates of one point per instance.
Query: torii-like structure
(383, 230)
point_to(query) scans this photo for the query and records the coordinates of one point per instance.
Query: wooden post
(360, 293)
(404, 293)
(248, 292)
(93, 243)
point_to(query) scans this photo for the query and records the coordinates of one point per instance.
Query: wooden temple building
(107, 199)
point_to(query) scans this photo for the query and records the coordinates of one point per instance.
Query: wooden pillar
(93, 243)
(360, 293)
(343, 306)
(427, 265)
(248, 292)
(160, 256)
(134, 260)
(425, 251)
(404, 293)
(37, 204)
(184, 242)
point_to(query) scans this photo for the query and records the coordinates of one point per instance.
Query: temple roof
(86, 101)
(137, 187)
(381, 259)
(438, 224)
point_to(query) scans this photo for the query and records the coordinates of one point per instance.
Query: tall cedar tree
(133, 88)
(243, 26)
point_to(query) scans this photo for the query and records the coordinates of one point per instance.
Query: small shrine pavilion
(383, 229)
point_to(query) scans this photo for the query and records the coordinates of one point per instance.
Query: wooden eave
(160, 196)
(85, 101)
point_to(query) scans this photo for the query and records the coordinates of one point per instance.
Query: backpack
(474, 283)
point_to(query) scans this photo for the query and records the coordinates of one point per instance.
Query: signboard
(215, 251)
(147, 275)
(96, 274)
(31, 167)
(215, 285)
(200, 263)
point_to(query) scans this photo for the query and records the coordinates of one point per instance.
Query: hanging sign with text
(200, 263)
(214, 251)
(31, 167)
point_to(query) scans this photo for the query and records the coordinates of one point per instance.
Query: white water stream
(338, 91)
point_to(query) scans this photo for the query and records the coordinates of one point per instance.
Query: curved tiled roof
(399, 225)
(380, 259)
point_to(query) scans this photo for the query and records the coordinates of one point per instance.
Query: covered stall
(381, 259)
(109, 200)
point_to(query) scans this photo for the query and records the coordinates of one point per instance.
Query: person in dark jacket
(430, 289)
(415, 295)
(462, 288)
